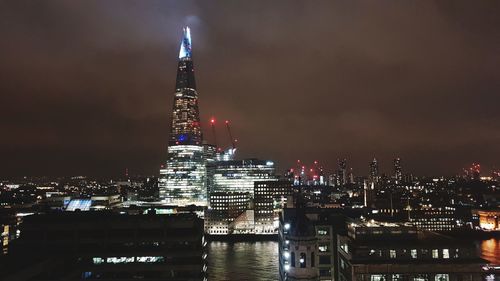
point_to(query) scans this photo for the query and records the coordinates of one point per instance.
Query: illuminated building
(342, 172)
(270, 198)
(240, 175)
(350, 250)
(369, 193)
(297, 252)
(108, 246)
(374, 173)
(225, 208)
(398, 170)
(488, 219)
(436, 219)
(183, 180)
(385, 251)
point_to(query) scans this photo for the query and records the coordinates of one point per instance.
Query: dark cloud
(86, 86)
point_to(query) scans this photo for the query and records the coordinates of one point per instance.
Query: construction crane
(212, 124)
(233, 141)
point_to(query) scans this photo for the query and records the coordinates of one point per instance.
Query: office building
(108, 246)
(183, 180)
(225, 208)
(240, 175)
(270, 197)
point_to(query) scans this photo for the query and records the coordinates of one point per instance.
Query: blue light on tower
(185, 51)
(182, 138)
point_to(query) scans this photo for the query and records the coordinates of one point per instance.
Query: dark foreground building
(316, 244)
(108, 246)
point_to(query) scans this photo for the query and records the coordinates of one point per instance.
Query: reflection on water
(490, 250)
(259, 260)
(243, 261)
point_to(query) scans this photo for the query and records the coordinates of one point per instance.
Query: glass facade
(240, 175)
(183, 180)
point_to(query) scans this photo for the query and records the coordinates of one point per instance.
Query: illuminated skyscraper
(183, 181)
(398, 171)
(342, 172)
(374, 176)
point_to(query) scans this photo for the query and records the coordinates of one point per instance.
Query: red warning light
(212, 120)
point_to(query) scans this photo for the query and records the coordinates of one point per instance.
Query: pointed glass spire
(185, 51)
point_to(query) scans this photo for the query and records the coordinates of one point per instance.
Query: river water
(490, 250)
(243, 261)
(259, 260)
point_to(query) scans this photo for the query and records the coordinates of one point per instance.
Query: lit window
(377, 277)
(413, 253)
(392, 254)
(442, 277)
(323, 247)
(344, 247)
(435, 253)
(302, 260)
(446, 254)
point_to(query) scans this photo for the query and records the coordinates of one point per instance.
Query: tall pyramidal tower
(183, 180)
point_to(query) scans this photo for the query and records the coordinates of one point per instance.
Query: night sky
(86, 87)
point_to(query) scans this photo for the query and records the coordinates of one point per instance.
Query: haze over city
(87, 86)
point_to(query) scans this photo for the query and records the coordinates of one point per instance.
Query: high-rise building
(183, 181)
(240, 175)
(342, 172)
(398, 171)
(374, 175)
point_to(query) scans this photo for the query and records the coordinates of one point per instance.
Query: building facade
(225, 208)
(354, 250)
(108, 246)
(270, 197)
(240, 175)
(183, 180)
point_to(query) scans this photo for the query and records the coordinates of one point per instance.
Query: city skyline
(82, 96)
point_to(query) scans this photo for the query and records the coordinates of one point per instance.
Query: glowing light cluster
(185, 51)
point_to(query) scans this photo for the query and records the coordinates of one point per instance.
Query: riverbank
(242, 237)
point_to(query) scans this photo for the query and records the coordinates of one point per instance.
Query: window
(344, 247)
(435, 254)
(397, 277)
(324, 260)
(325, 272)
(446, 254)
(392, 254)
(421, 277)
(312, 259)
(343, 264)
(442, 277)
(323, 247)
(377, 277)
(302, 260)
(413, 253)
(293, 259)
(322, 231)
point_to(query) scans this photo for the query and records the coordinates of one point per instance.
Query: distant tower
(183, 182)
(398, 171)
(369, 194)
(374, 176)
(342, 172)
